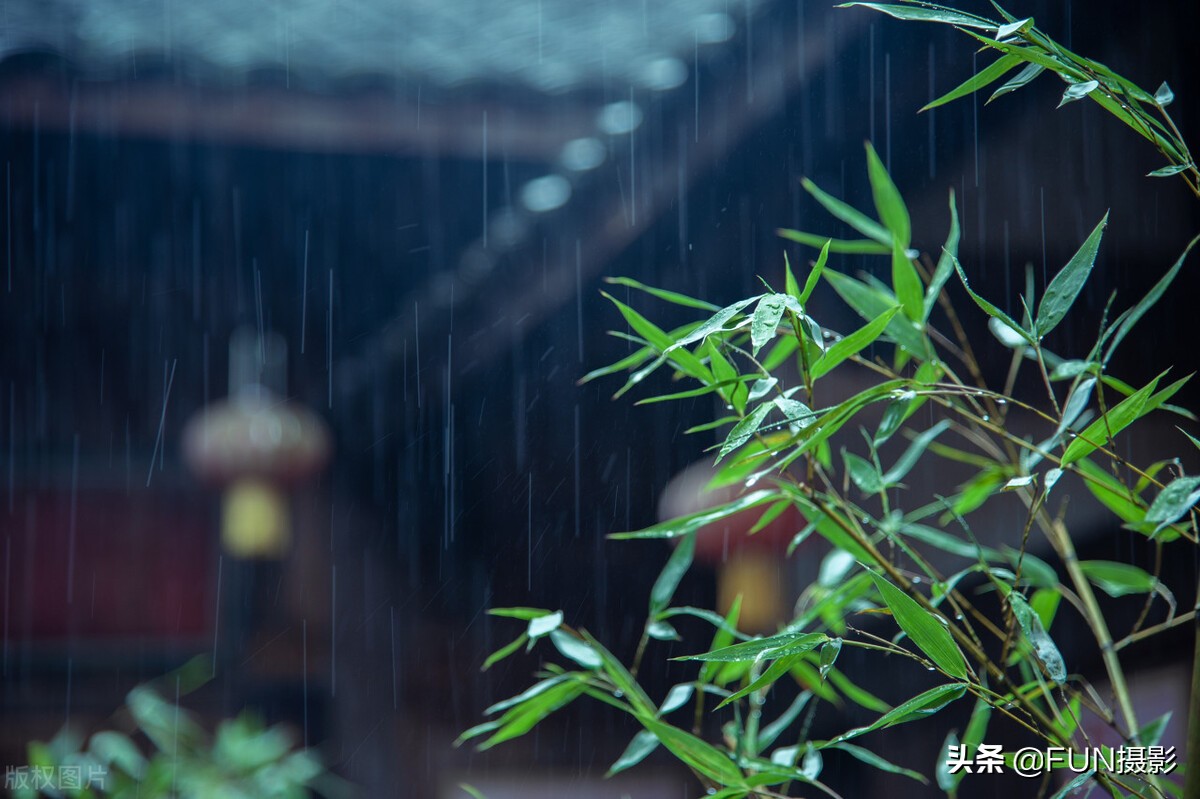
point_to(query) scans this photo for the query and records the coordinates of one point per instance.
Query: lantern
(255, 445)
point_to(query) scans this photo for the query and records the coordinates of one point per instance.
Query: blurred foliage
(764, 361)
(243, 760)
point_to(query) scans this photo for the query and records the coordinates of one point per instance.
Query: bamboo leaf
(1043, 646)
(670, 296)
(686, 525)
(869, 302)
(906, 284)
(743, 430)
(1018, 81)
(850, 215)
(1077, 91)
(853, 344)
(988, 308)
(639, 748)
(914, 452)
(765, 321)
(875, 761)
(1125, 413)
(920, 706)
(814, 276)
(770, 648)
(888, 202)
(1134, 314)
(504, 651)
(696, 753)
(846, 246)
(988, 75)
(917, 13)
(668, 580)
(945, 265)
(1066, 285)
(1118, 579)
(579, 651)
(923, 627)
(1173, 502)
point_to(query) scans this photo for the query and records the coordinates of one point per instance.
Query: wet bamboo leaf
(1066, 285)
(1075, 405)
(924, 628)
(863, 473)
(662, 631)
(1111, 493)
(621, 677)
(1118, 579)
(668, 580)
(639, 748)
(1168, 171)
(829, 655)
(814, 277)
(765, 322)
(696, 753)
(890, 206)
(1175, 500)
(945, 265)
(875, 761)
(770, 648)
(722, 638)
(1077, 91)
(851, 216)
(677, 697)
(988, 308)
(854, 343)
(869, 302)
(471, 791)
(543, 625)
(893, 416)
(769, 515)
(768, 678)
(1014, 27)
(1125, 413)
(663, 294)
(1018, 81)
(906, 283)
(575, 649)
(921, 14)
(920, 706)
(714, 324)
(1134, 315)
(745, 429)
(1164, 96)
(686, 525)
(1072, 787)
(986, 76)
(524, 717)
(848, 247)
(1043, 646)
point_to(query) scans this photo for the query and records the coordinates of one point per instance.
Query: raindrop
(916, 581)
(619, 117)
(545, 193)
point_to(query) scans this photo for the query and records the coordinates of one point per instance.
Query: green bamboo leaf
(869, 302)
(639, 748)
(770, 648)
(725, 372)
(1066, 285)
(922, 705)
(714, 324)
(579, 651)
(888, 202)
(745, 429)
(850, 215)
(1111, 493)
(471, 791)
(543, 625)
(621, 677)
(863, 473)
(524, 717)
(670, 296)
(875, 761)
(814, 276)
(906, 284)
(765, 321)
(1125, 413)
(1077, 91)
(1175, 500)
(631, 361)
(664, 343)
(923, 627)
(668, 580)
(845, 246)
(988, 308)
(1119, 579)
(722, 638)
(945, 265)
(524, 614)
(768, 678)
(855, 693)
(853, 344)
(1043, 646)
(686, 525)
(1018, 81)
(917, 13)
(1134, 314)
(988, 75)
(696, 753)
(504, 651)
(829, 655)
(1168, 171)
(914, 452)
(772, 731)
